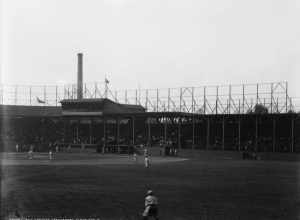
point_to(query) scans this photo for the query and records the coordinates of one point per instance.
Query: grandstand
(218, 118)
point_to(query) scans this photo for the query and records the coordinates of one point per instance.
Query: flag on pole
(40, 101)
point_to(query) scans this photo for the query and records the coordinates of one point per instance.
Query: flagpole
(106, 86)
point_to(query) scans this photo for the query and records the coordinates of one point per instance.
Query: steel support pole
(91, 131)
(223, 133)
(149, 131)
(56, 96)
(45, 95)
(271, 98)
(193, 104)
(243, 104)
(165, 130)
(286, 97)
(274, 135)
(256, 133)
(179, 133)
(104, 135)
(64, 130)
(180, 100)
(207, 133)
(204, 99)
(292, 135)
(77, 130)
(217, 100)
(118, 134)
(193, 133)
(229, 101)
(146, 104)
(133, 130)
(239, 133)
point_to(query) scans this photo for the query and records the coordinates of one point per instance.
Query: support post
(179, 133)
(256, 133)
(239, 134)
(64, 131)
(77, 131)
(193, 103)
(274, 135)
(217, 100)
(118, 134)
(243, 104)
(133, 130)
(91, 131)
(149, 131)
(45, 95)
(271, 98)
(292, 135)
(104, 135)
(229, 100)
(180, 100)
(286, 97)
(204, 100)
(207, 134)
(193, 133)
(165, 130)
(223, 133)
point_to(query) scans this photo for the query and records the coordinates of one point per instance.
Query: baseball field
(113, 187)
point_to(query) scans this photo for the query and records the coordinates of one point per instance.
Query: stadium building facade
(177, 122)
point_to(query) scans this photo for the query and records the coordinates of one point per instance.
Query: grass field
(113, 187)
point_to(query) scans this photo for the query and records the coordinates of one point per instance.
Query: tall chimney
(79, 76)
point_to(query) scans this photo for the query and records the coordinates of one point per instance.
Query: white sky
(152, 43)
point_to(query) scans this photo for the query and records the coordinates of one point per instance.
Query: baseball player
(17, 148)
(151, 203)
(145, 152)
(135, 157)
(30, 152)
(147, 161)
(50, 155)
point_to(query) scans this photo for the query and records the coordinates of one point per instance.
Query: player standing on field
(135, 157)
(50, 155)
(147, 161)
(30, 152)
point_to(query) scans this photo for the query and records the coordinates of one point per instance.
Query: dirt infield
(80, 159)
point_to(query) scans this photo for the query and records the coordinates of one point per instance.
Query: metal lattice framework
(221, 99)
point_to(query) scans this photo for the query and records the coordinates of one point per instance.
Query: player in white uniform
(147, 161)
(30, 152)
(17, 148)
(50, 155)
(135, 157)
(151, 206)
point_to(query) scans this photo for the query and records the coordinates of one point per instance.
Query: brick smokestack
(79, 76)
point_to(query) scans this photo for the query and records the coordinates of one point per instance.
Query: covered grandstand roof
(34, 111)
(98, 106)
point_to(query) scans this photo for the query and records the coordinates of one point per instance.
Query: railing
(221, 99)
